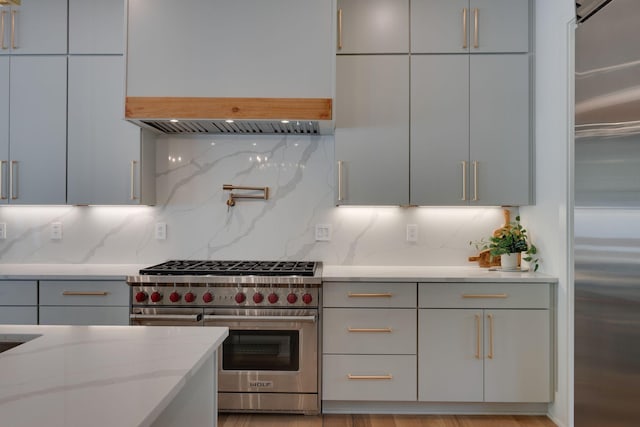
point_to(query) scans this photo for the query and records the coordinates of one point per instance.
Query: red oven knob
(273, 298)
(292, 298)
(156, 296)
(174, 297)
(207, 297)
(141, 296)
(257, 298)
(240, 297)
(307, 298)
(189, 297)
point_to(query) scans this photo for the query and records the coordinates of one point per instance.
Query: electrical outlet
(3, 230)
(161, 231)
(56, 231)
(323, 232)
(412, 232)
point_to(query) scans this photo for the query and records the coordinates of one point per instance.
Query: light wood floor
(255, 420)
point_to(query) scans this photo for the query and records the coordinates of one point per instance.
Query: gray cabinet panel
(18, 315)
(38, 27)
(438, 26)
(372, 129)
(102, 146)
(81, 315)
(373, 26)
(38, 129)
(4, 128)
(439, 129)
(503, 25)
(500, 133)
(96, 26)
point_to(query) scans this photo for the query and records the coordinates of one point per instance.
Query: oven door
(165, 317)
(267, 351)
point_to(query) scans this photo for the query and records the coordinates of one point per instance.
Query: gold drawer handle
(86, 293)
(370, 377)
(380, 295)
(370, 329)
(485, 295)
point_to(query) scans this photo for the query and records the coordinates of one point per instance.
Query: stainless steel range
(270, 361)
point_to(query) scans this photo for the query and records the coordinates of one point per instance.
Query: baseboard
(416, 408)
(556, 421)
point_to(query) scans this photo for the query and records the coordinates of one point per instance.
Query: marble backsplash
(190, 200)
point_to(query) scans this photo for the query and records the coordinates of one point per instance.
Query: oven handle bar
(191, 317)
(311, 319)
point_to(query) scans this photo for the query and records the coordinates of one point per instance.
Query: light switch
(323, 232)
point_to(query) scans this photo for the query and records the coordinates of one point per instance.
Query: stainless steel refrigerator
(607, 214)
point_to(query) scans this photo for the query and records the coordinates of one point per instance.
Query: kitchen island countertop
(99, 375)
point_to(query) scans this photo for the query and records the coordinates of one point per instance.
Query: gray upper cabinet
(476, 26)
(372, 130)
(96, 26)
(105, 159)
(36, 169)
(35, 27)
(470, 130)
(373, 26)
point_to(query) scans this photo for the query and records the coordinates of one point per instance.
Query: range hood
(206, 115)
(587, 8)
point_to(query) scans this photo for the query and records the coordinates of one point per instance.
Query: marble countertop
(98, 375)
(68, 271)
(337, 273)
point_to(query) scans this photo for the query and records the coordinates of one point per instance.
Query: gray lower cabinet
(19, 302)
(372, 130)
(35, 170)
(83, 302)
(470, 133)
(110, 161)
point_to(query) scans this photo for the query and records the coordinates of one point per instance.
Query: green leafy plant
(510, 239)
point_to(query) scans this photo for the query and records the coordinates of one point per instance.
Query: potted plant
(508, 242)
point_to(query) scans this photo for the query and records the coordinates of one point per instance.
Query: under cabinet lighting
(174, 120)
(229, 121)
(284, 121)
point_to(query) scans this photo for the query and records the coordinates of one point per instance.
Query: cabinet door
(517, 356)
(500, 129)
(80, 315)
(38, 27)
(292, 40)
(372, 130)
(440, 26)
(450, 355)
(38, 129)
(439, 130)
(96, 26)
(373, 26)
(18, 315)
(4, 129)
(102, 146)
(499, 26)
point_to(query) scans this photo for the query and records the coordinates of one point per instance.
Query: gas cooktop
(232, 268)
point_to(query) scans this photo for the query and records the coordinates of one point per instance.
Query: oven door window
(261, 351)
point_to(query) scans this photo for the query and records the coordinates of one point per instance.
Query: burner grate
(232, 268)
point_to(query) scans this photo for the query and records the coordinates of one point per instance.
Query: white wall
(191, 172)
(550, 220)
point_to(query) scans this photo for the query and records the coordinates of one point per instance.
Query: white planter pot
(509, 261)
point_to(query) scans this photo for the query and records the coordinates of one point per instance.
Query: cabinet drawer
(369, 331)
(84, 292)
(84, 315)
(484, 295)
(369, 294)
(388, 378)
(19, 292)
(19, 315)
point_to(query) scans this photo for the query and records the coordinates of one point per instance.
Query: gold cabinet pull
(475, 180)
(477, 296)
(464, 180)
(490, 317)
(13, 195)
(2, 192)
(375, 330)
(13, 29)
(370, 377)
(475, 28)
(478, 322)
(2, 14)
(133, 180)
(340, 193)
(339, 29)
(85, 293)
(464, 28)
(377, 295)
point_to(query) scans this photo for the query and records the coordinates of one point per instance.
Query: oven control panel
(227, 296)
